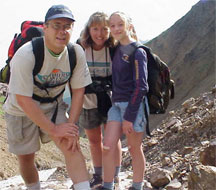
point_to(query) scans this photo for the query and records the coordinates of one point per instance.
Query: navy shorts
(91, 118)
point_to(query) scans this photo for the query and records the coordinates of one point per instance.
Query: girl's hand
(127, 127)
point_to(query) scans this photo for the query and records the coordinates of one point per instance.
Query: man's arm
(33, 111)
(76, 104)
(75, 109)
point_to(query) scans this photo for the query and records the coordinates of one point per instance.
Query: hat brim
(60, 16)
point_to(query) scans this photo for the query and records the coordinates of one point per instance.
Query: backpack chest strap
(47, 99)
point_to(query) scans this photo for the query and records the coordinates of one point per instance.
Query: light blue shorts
(116, 113)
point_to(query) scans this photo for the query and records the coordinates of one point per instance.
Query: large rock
(202, 178)
(208, 155)
(174, 185)
(160, 177)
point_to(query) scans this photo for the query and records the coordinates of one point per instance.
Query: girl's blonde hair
(94, 19)
(128, 20)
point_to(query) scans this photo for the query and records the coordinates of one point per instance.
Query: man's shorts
(91, 118)
(116, 113)
(24, 136)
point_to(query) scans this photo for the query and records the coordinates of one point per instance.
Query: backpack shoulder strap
(38, 50)
(112, 51)
(72, 56)
(152, 58)
(72, 60)
(133, 48)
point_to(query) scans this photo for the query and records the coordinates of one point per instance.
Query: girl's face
(99, 34)
(118, 27)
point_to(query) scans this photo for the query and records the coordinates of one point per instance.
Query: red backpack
(29, 30)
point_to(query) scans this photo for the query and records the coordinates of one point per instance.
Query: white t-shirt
(100, 65)
(55, 70)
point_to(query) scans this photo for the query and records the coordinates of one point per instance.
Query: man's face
(57, 33)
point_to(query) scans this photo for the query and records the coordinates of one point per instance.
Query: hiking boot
(131, 188)
(116, 183)
(102, 188)
(95, 181)
(116, 179)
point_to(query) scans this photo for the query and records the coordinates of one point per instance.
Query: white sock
(33, 186)
(82, 186)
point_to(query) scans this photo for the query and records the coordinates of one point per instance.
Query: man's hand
(127, 127)
(66, 130)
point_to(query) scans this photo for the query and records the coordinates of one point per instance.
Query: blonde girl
(127, 112)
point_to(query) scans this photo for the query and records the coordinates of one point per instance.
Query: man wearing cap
(28, 120)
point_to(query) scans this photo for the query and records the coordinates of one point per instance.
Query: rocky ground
(181, 154)
(183, 149)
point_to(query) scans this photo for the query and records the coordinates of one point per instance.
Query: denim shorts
(117, 111)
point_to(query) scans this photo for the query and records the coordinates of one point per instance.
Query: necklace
(93, 62)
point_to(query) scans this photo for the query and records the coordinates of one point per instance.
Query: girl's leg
(90, 120)
(95, 141)
(112, 135)
(138, 158)
(118, 158)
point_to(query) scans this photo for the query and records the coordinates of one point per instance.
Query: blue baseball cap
(59, 11)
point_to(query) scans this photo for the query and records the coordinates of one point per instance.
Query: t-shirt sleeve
(81, 76)
(21, 78)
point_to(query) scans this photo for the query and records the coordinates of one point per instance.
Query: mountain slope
(188, 47)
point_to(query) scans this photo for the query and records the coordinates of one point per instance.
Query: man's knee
(69, 152)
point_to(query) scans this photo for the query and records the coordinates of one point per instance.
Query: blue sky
(150, 17)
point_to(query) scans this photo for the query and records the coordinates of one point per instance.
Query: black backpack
(38, 50)
(161, 86)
